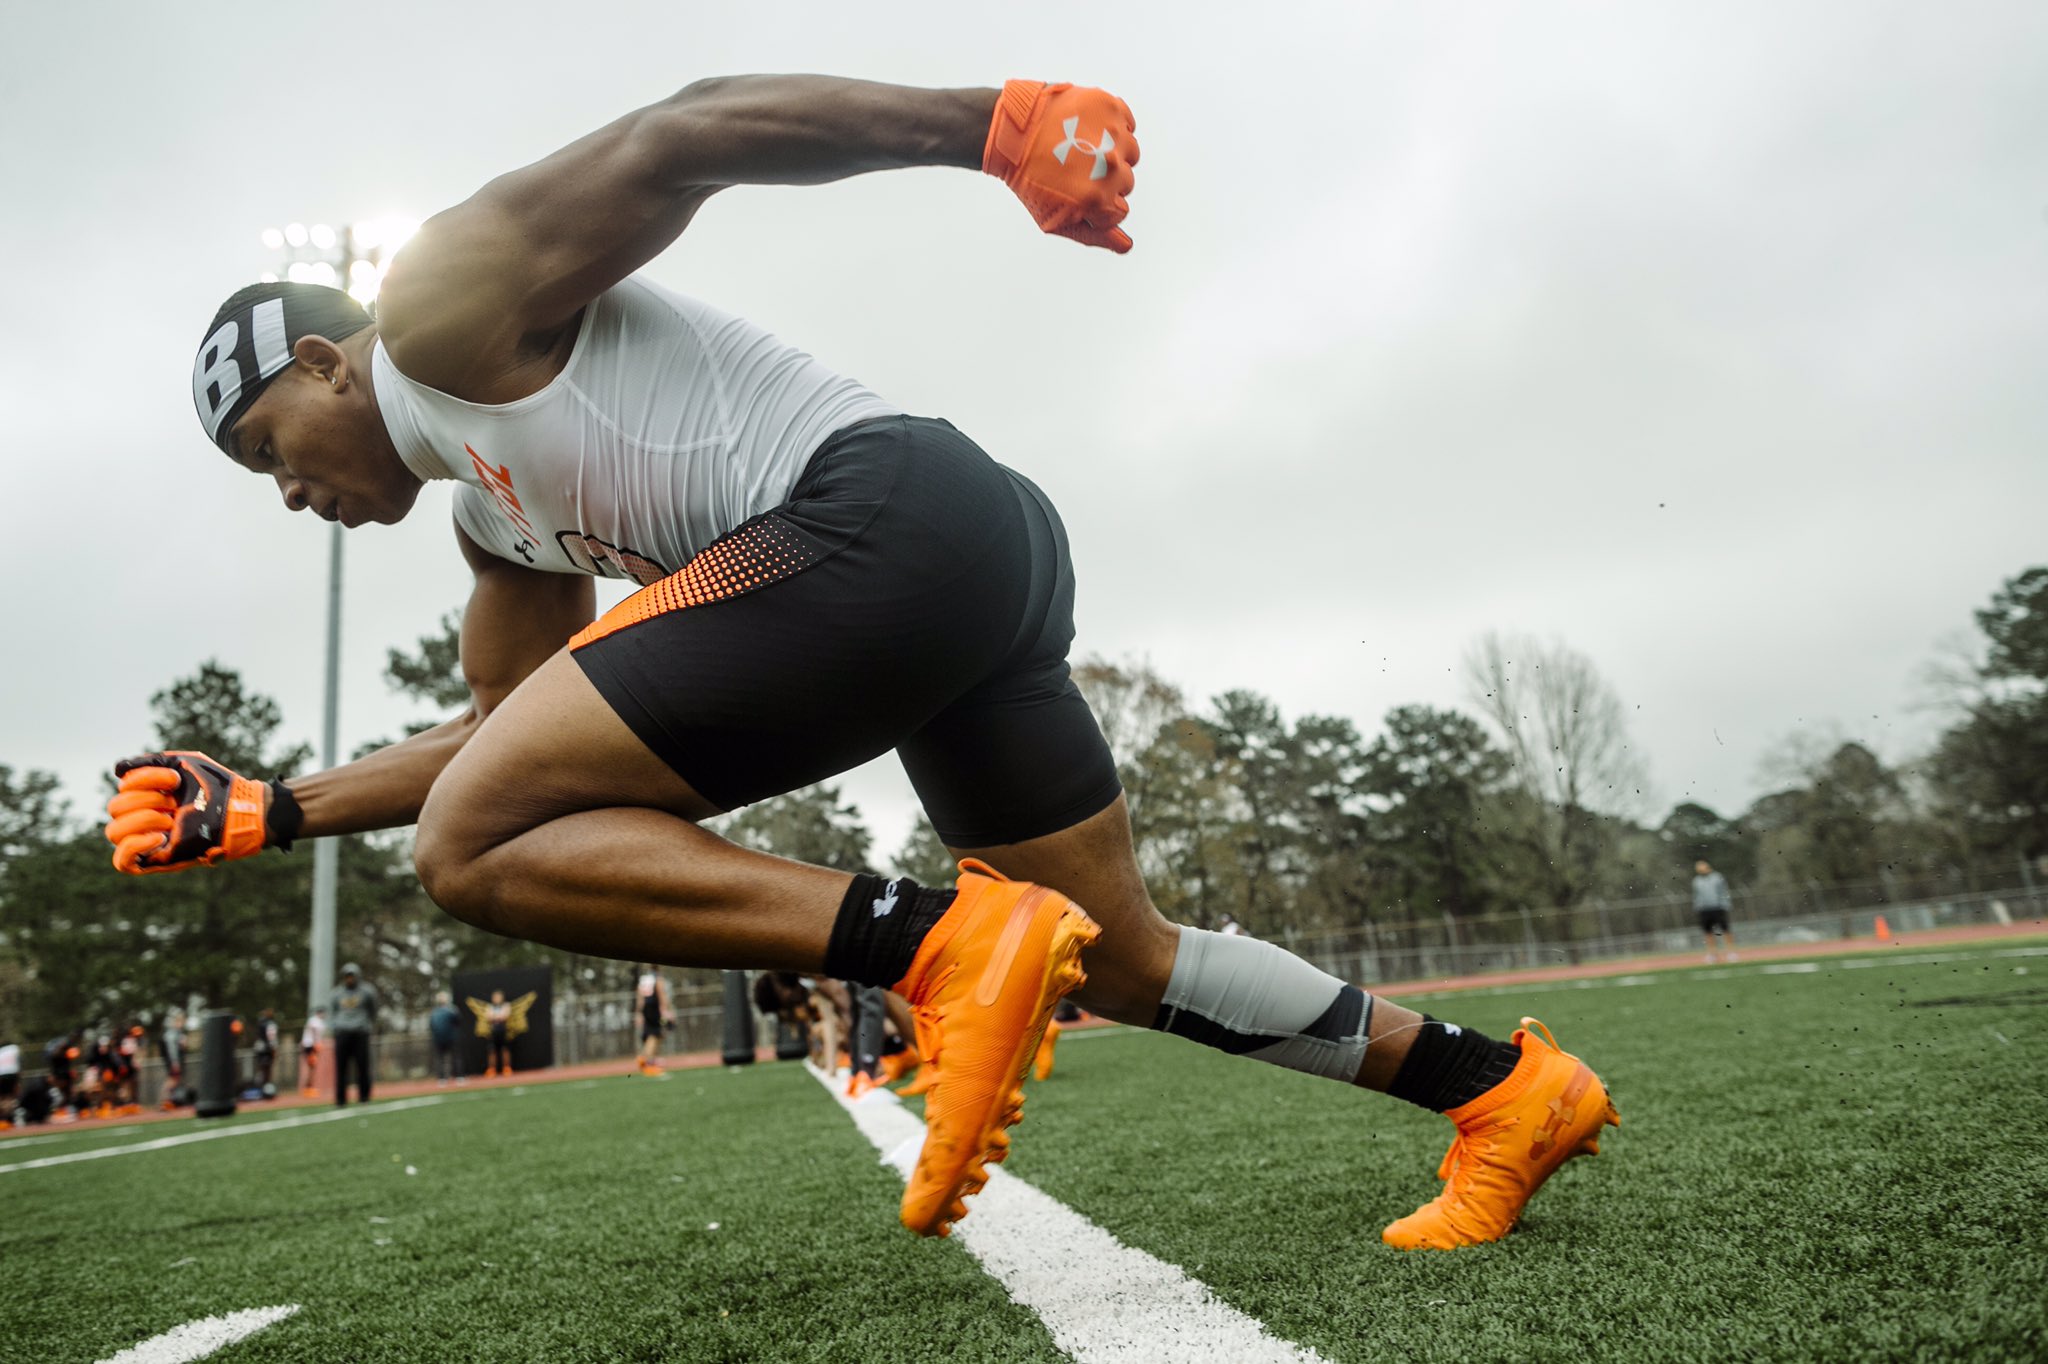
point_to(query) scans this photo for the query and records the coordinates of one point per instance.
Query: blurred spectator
(10, 1082)
(1711, 901)
(444, 1025)
(58, 1059)
(39, 1100)
(127, 1057)
(498, 1019)
(353, 1013)
(656, 1017)
(96, 1078)
(172, 1041)
(1229, 927)
(268, 1040)
(309, 1053)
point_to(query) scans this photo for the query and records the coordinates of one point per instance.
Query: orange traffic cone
(1884, 930)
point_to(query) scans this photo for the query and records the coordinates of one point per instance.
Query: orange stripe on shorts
(760, 552)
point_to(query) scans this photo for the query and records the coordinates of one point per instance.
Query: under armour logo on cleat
(1099, 150)
(886, 901)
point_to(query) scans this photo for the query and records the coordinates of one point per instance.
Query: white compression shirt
(671, 423)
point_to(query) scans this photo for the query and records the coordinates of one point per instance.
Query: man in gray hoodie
(351, 1015)
(1710, 900)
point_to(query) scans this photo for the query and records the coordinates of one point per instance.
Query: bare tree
(1135, 707)
(1567, 741)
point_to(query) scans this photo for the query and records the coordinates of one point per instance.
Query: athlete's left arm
(523, 255)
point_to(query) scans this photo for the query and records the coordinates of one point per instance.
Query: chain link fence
(1445, 947)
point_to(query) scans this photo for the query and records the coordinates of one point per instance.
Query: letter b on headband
(230, 364)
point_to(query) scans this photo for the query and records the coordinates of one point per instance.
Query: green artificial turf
(1842, 1163)
(1850, 1163)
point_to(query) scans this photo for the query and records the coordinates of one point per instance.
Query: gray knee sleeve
(1251, 998)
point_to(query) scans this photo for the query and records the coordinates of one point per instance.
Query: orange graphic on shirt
(498, 483)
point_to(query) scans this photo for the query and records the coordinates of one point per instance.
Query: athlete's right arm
(517, 618)
(490, 282)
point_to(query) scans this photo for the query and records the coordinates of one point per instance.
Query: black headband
(251, 343)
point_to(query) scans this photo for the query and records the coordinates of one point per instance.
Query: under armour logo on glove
(1032, 143)
(1099, 150)
(886, 901)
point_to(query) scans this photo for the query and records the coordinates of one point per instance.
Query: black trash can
(738, 1049)
(218, 1076)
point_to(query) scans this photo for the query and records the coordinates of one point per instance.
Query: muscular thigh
(551, 748)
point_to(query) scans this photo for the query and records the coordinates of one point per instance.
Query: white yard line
(198, 1339)
(1102, 1300)
(213, 1134)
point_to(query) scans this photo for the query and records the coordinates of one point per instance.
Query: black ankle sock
(879, 927)
(1448, 1065)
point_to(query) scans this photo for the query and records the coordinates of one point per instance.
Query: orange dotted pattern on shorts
(756, 554)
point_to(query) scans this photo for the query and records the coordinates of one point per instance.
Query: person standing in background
(309, 1052)
(269, 1037)
(353, 1010)
(1711, 901)
(498, 1019)
(10, 1082)
(172, 1041)
(656, 1016)
(444, 1027)
(127, 1066)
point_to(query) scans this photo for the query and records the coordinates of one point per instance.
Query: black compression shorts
(1711, 919)
(911, 594)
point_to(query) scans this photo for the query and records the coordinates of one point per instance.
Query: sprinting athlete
(826, 578)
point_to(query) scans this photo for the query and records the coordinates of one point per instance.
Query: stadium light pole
(354, 259)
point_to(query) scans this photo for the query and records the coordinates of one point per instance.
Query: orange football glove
(1067, 152)
(180, 809)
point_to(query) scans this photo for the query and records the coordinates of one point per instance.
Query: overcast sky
(1707, 339)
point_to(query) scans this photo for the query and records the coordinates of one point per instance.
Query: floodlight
(321, 235)
(273, 239)
(295, 233)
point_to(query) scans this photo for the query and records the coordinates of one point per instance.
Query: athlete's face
(317, 433)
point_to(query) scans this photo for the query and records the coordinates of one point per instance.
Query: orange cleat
(899, 1064)
(1041, 1068)
(983, 986)
(1510, 1139)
